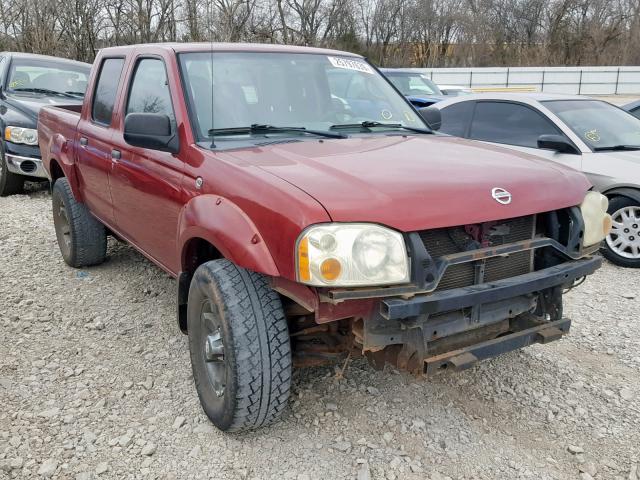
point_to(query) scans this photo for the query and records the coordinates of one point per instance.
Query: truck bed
(57, 128)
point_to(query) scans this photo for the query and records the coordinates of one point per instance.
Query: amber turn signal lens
(330, 269)
(304, 273)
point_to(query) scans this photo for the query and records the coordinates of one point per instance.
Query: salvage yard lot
(95, 383)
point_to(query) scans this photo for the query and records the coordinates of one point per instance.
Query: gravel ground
(95, 382)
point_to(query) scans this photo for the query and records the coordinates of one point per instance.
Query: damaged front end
(476, 291)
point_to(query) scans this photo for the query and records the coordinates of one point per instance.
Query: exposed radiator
(445, 241)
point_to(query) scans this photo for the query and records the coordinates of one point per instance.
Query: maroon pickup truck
(309, 213)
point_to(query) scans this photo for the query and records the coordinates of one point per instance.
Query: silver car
(590, 135)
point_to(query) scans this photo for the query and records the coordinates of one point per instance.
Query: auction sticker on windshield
(350, 64)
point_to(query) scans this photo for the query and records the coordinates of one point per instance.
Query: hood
(418, 182)
(29, 105)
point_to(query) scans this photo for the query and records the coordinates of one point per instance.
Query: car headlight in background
(597, 222)
(28, 136)
(351, 254)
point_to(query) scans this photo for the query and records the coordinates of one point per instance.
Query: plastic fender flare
(61, 150)
(629, 192)
(223, 224)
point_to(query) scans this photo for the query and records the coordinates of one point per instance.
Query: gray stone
(48, 468)
(149, 449)
(178, 422)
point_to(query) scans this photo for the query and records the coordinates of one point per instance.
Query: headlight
(354, 254)
(597, 222)
(28, 136)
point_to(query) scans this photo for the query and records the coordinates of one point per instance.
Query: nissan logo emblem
(501, 195)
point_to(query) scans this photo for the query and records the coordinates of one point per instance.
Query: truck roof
(229, 47)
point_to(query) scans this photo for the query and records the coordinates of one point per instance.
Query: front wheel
(622, 246)
(239, 345)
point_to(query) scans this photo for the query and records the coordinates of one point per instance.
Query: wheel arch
(629, 192)
(212, 227)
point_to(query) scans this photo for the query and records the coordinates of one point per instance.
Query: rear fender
(61, 150)
(631, 193)
(224, 225)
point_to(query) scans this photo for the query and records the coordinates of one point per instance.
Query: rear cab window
(106, 89)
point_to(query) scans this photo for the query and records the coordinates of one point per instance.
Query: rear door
(146, 184)
(518, 126)
(94, 139)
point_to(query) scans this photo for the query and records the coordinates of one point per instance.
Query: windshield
(47, 77)
(599, 124)
(314, 92)
(413, 84)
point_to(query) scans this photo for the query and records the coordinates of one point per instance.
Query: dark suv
(27, 82)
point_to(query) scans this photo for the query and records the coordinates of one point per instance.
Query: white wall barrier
(567, 80)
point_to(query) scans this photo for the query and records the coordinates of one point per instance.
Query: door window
(106, 88)
(455, 118)
(149, 91)
(510, 123)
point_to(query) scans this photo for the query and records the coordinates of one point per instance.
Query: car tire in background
(10, 183)
(622, 246)
(239, 345)
(81, 237)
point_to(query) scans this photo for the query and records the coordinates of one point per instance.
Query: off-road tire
(83, 241)
(257, 351)
(615, 204)
(10, 183)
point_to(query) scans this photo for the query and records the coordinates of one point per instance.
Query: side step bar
(466, 357)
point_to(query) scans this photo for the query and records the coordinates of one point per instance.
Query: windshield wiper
(46, 91)
(369, 125)
(612, 148)
(71, 92)
(257, 129)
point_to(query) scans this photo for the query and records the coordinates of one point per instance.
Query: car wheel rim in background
(624, 239)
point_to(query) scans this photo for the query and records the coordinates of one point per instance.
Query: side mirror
(150, 130)
(432, 116)
(557, 143)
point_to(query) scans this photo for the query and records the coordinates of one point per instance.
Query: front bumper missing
(457, 298)
(435, 268)
(464, 358)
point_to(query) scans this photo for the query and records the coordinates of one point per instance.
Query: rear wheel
(622, 246)
(239, 345)
(81, 237)
(10, 183)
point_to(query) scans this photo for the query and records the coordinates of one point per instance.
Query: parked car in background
(27, 82)
(633, 108)
(590, 135)
(302, 231)
(454, 90)
(418, 88)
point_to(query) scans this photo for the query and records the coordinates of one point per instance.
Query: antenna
(213, 143)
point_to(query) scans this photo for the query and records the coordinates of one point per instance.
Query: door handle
(115, 156)
(83, 141)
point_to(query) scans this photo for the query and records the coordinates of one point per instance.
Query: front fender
(223, 224)
(631, 193)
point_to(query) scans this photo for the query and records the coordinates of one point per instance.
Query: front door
(146, 184)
